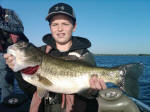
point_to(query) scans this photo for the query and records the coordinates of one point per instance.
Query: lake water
(144, 80)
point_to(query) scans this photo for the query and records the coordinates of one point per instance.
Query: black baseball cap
(61, 8)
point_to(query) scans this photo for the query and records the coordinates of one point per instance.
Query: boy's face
(61, 28)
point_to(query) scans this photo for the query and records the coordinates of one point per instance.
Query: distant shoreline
(122, 54)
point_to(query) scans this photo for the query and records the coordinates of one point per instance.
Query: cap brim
(50, 15)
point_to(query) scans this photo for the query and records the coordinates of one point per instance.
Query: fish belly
(61, 84)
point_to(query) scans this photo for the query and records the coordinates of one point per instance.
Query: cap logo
(59, 8)
(56, 8)
(62, 8)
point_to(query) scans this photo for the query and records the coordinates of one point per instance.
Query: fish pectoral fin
(44, 81)
(41, 92)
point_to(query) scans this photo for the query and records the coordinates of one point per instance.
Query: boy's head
(63, 9)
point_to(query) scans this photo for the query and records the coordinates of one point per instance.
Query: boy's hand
(97, 83)
(10, 60)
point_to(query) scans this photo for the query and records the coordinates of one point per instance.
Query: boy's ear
(74, 28)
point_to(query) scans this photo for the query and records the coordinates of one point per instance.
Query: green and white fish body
(67, 76)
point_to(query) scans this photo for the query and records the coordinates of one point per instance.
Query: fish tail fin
(129, 83)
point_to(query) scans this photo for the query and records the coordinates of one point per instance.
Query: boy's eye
(65, 24)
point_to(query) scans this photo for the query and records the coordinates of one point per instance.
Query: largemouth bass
(67, 76)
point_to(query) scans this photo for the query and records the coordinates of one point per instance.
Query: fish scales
(75, 69)
(66, 76)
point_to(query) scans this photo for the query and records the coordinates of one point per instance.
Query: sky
(112, 26)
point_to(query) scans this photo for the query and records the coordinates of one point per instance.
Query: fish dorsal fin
(41, 92)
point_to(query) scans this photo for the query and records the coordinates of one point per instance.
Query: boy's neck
(64, 47)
